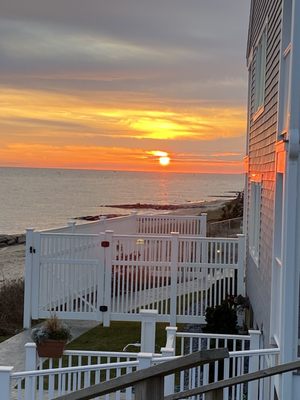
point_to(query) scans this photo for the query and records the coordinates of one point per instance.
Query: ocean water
(46, 198)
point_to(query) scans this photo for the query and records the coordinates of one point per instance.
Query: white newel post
(253, 387)
(203, 225)
(108, 274)
(28, 279)
(174, 270)
(36, 274)
(30, 365)
(30, 357)
(148, 320)
(241, 264)
(5, 386)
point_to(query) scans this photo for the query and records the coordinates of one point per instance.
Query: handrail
(253, 376)
(148, 375)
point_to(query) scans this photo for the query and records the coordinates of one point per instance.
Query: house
(272, 179)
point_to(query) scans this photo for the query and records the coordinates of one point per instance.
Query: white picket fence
(111, 277)
(141, 223)
(45, 379)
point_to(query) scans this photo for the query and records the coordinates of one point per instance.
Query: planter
(51, 348)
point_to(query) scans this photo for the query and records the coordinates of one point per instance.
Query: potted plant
(51, 338)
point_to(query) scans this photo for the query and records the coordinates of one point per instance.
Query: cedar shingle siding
(262, 136)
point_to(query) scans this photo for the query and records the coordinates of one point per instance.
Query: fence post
(253, 387)
(174, 270)
(152, 388)
(5, 386)
(101, 278)
(108, 274)
(28, 279)
(36, 275)
(241, 264)
(203, 225)
(148, 318)
(170, 379)
(30, 357)
(30, 365)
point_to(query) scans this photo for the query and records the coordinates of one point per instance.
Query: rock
(21, 239)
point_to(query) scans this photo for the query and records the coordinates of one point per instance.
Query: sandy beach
(12, 258)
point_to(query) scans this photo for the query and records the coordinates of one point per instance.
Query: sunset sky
(109, 84)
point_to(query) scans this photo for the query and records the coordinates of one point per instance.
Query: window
(260, 72)
(254, 220)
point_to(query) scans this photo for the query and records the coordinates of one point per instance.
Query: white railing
(44, 379)
(145, 224)
(111, 277)
(166, 224)
(51, 383)
(244, 356)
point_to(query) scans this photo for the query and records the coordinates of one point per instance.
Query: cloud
(144, 74)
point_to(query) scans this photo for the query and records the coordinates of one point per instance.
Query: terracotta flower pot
(51, 348)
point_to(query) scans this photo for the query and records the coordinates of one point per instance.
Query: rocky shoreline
(11, 240)
(162, 207)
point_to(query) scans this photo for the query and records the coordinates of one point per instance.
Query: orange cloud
(97, 157)
(37, 129)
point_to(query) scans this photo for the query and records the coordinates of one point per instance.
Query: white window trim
(260, 72)
(254, 221)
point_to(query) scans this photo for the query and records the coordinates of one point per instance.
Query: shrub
(221, 319)
(11, 306)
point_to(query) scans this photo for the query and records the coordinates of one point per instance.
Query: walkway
(12, 351)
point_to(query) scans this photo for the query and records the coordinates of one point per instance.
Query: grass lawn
(116, 337)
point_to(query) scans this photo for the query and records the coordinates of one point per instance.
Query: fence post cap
(254, 332)
(30, 229)
(6, 369)
(166, 350)
(171, 328)
(30, 345)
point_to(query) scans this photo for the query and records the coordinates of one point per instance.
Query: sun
(164, 161)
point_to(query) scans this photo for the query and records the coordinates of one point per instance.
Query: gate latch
(103, 308)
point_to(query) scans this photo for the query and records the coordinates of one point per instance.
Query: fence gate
(67, 276)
